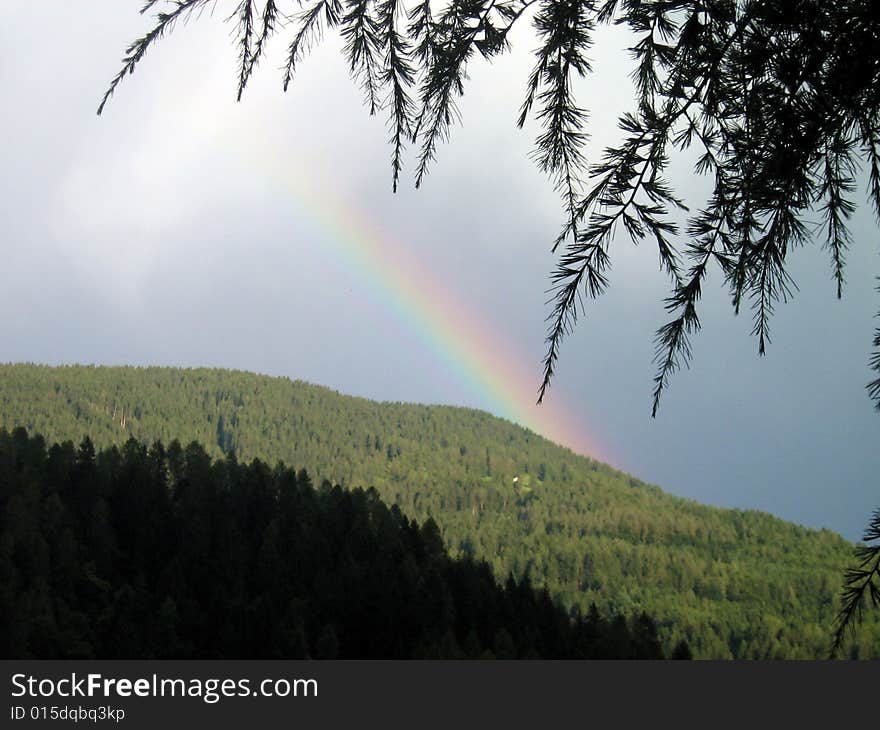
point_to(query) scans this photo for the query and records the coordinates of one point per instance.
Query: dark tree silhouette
(155, 553)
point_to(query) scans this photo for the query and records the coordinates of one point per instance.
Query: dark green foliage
(681, 651)
(731, 583)
(148, 553)
(862, 584)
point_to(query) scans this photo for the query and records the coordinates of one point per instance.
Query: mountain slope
(732, 583)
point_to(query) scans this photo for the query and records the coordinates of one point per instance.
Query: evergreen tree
(238, 560)
(733, 583)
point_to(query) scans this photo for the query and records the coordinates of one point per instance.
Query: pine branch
(452, 46)
(421, 31)
(673, 340)
(769, 282)
(622, 175)
(838, 182)
(654, 52)
(870, 135)
(584, 265)
(398, 76)
(310, 30)
(874, 364)
(861, 583)
(245, 19)
(136, 51)
(361, 33)
(793, 147)
(270, 18)
(625, 172)
(565, 27)
(511, 12)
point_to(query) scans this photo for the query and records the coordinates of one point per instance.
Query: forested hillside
(155, 553)
(732, 583)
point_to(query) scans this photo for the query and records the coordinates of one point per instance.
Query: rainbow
(469, 348)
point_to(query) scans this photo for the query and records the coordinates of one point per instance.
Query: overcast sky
(181, 228)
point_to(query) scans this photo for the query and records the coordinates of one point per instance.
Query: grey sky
(151, 236)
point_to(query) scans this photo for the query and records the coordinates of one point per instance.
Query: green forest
(161, 553)
(729, 583)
